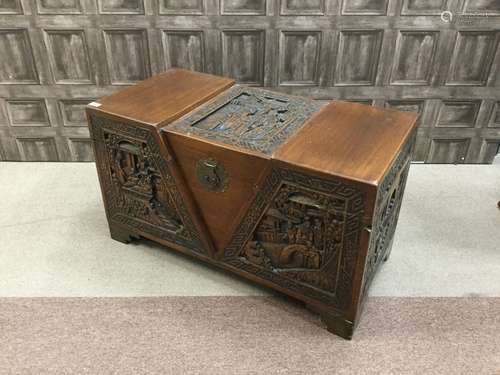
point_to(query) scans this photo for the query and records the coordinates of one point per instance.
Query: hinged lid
(126, 124)
(350, 140)
(163, 98)
(252, 119)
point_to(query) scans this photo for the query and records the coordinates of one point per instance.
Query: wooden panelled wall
(57, 55)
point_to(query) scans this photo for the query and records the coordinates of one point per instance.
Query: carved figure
(139, 184)
(249, 118)
(288, 235)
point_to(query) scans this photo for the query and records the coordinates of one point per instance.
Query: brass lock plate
(212, 175)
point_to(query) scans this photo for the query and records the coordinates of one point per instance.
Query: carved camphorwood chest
(296, 195)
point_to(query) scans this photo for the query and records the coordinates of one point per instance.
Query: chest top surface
(163, 98)
(253, 119)
(348, 140)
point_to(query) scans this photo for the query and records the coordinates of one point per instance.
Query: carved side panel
(68, 56)
(358, 56)
(386, 212)
(140, 191)
(302, 233)
(127, 54)
(16, 61)
(184, 49)
(243, 55)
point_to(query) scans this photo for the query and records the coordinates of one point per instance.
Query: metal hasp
(212, 175)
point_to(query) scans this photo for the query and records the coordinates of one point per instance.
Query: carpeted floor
(245, 335)
(435, 305)
(55, 240)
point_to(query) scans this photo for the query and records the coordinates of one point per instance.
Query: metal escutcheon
(212, 175)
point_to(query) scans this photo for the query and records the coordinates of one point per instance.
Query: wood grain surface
(165, 97)
(349, 140)
(313, 219)
(222, 212)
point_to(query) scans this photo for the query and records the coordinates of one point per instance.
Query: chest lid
(347, 140)
(162, 98)
(351, 141)
(252, 119)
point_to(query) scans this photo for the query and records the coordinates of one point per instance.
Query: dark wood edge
(364, 243)
(101, 183)
(338, 325)
(229, 83)
(335, 323)
(186, 194)
(121, 234)
(412, 132)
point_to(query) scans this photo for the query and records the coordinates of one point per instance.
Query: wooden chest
(294, 194)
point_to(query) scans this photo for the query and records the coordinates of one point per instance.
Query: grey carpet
(245, 335)
(55, 240)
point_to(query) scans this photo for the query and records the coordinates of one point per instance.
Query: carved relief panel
(140, 192)
(256, 120)
(298, 235)
(302, 233)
